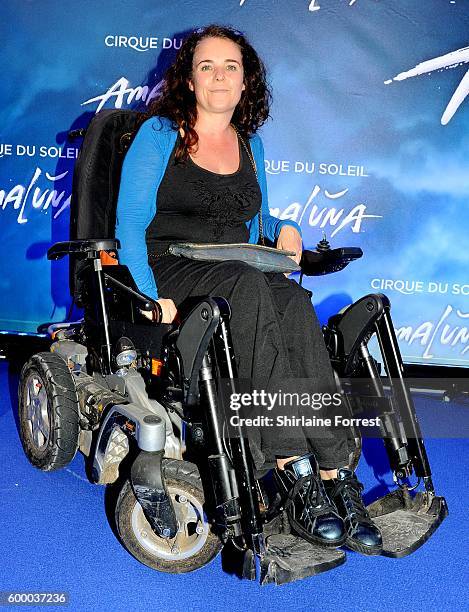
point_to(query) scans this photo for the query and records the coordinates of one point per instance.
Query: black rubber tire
(62, 410)
(185, 477)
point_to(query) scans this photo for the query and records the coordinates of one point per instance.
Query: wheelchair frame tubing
(346, 337)
(100, 275)
(393, 364)
(394, 441)
(232, 476)
(241, 454)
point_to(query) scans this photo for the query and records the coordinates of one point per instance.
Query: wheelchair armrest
(81, 247)
(317, 263)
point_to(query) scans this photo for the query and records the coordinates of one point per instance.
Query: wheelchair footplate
(285, 558)
(407, 521)
(289, 558)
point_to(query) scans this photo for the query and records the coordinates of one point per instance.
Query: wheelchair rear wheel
(195, 544)
(48, 412)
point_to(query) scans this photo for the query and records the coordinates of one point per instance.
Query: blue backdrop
(368, 140)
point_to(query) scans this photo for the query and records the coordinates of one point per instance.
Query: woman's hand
(168, 308)
(289, 239)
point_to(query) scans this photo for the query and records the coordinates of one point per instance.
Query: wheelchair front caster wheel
(194, 545)
(48, 412)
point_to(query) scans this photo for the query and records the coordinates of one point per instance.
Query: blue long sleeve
(142, 172)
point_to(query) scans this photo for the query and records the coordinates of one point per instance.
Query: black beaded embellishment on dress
(223, 207)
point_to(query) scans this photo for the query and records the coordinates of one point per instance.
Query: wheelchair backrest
(96, 181)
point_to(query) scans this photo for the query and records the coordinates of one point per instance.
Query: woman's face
(217, 75)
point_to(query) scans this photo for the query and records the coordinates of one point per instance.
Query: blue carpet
(55, 537)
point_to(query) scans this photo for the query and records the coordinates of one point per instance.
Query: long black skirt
(276, 339)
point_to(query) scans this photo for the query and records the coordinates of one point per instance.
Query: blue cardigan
(142, 172)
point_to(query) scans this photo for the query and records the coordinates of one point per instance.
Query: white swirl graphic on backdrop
(449, 60)
(313, 4)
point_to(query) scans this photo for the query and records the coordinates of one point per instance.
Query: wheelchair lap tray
(263, 258)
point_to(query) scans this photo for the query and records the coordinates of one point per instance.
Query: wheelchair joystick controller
(323, 245)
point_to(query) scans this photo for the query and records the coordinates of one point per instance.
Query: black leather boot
(311, 514)
(363, 535)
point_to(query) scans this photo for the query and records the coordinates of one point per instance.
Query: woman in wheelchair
(195, 173)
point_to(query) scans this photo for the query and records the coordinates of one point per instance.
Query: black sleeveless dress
(275, 332)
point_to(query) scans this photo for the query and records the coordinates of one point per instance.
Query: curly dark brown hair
(177, 102)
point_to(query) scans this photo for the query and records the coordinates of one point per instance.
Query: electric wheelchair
(142, 402)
